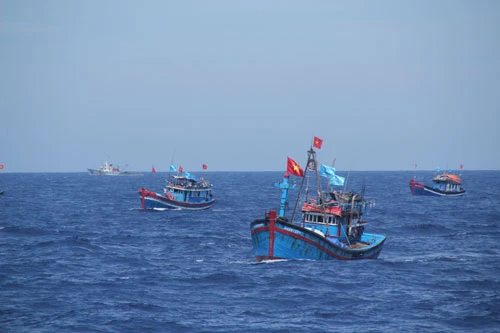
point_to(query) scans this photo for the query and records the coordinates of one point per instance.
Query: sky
(241, 85)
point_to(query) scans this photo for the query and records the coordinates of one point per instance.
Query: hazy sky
(241, 85)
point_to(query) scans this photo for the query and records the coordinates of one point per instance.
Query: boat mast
(320, 193)
(349, 230)
(312, 156)
(312, 164)
(284, 186)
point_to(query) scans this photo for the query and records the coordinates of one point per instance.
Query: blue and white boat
(183, 191)
(332, 226)
(443, 185)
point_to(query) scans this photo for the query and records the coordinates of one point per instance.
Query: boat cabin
(189, 189)
(447, 183)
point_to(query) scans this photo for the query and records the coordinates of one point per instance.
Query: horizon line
(203, 171)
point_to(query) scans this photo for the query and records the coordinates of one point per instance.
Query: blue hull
(283, 240)
(420, 189)
(152, 200)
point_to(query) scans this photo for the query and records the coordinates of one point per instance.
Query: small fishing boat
(184, 191)
(443, 185)
(108, 169)
(331, 227)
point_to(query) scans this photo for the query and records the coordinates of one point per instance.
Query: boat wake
(156, 209)
(271, 261)
(160, 209)
(426, 258)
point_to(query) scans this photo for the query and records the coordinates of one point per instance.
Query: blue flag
(172, 168)
(329, 172)
(190, 176)
(326, 171)
(337, 180)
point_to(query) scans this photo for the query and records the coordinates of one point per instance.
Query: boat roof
(448, 177)
(190, 179)
(185, 178)
(313, 208)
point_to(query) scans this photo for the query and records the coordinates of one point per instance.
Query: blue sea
(78, 255)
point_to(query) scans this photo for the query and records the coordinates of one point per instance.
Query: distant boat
(108, 169)
(331, 227)
(444, 185)
(183, 191)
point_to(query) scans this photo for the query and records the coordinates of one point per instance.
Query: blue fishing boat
(331, 227)
(184, 191)
(443, 185)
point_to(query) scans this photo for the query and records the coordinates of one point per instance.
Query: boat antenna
(330, 187)
(346, 180)
(171, 163)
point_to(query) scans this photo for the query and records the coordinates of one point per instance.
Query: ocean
(78, 255)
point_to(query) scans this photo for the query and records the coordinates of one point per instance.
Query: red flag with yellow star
(293, 168)
(317, 142)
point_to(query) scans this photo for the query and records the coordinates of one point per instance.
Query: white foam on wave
(271, 261)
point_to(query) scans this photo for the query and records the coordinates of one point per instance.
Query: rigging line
(171, 163)
(318, 183)
(301, 185)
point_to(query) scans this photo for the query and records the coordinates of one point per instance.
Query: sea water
(78, 255)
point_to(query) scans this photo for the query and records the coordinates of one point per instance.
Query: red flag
(461, 166)
(317, 142)
(180, 168)
(293, 168)
(205, 167)
(153, 170)
(1, 166)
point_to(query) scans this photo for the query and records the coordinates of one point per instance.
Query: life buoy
(169, 195)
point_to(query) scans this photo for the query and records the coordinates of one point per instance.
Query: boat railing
(190, 186)
(356, 208)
